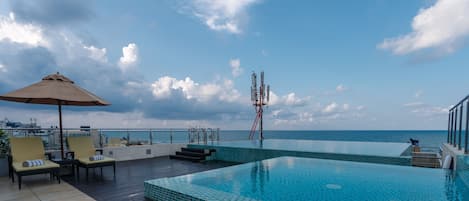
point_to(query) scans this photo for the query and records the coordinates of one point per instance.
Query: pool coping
(408, 149)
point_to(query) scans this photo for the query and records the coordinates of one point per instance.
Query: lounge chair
(82, 148)
(114, 142)
(30, 148)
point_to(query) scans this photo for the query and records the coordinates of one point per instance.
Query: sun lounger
(83, 150)
(23, 150)
(114, 142)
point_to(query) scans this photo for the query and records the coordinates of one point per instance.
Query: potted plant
(4, 148)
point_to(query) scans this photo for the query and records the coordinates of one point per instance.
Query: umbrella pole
(61, 132)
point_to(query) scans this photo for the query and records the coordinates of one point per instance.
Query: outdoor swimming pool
(255, 150)
(293, 178)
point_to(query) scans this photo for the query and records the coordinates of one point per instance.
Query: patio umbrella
(55, 89)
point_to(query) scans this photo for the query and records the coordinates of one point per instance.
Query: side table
(66, 163)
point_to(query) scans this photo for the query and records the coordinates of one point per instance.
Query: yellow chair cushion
(82, 146)
(87, 161)
(26, 148)
(114, 142)
(18, 166)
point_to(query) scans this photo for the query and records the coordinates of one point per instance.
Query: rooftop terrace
(128, 185)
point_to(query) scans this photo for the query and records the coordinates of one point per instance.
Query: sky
(331, 65)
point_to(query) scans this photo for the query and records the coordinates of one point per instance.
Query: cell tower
(259, 98)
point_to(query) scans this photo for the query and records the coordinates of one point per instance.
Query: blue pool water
(336, 147)
(290, 178)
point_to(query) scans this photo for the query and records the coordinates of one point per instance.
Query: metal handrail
(99, 129)
(102, 134)
(204, 134)
(460, 102)
(455, 122)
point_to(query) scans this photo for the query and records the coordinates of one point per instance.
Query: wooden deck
(130, 176)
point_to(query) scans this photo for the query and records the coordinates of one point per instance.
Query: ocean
(429, 139)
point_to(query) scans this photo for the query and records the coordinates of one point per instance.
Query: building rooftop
(128, 185)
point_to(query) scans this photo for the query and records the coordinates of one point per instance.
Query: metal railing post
(460, 126)
(449, 125)
(214, 137)
(101, 143)
(65, 137)
(210, 135)
(205, 135)
(189, 135)
(171, 136)
(151, 137)
(451, 133)
(467, 129)
(455, 127)
(128, 137)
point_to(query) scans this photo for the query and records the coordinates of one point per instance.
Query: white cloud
(306, 117)
(98, 119)
(96, 53)
(166, 86)
(129, 56)
(292, 100)
(418, 94)
(274, 99)
(426, 110)
(222, 15)
(64, 44)
(229, 93)
(28, 34)
(68, 48)
(11, 15)
(236, 69)
(285, 117)
(360, 108)
(335, 108)
(346, 106)
(163, 86)
(440, 26)
(3, 69)
(340, 88)
(414, 104)
(60, 45)
(332, 107)
(288, 100)
(315, 114)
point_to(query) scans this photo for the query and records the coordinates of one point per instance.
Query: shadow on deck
(130, 176)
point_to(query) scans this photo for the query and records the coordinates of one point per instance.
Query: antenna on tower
(253, 87)
(259, 99)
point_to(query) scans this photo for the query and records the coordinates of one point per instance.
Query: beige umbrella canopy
(55, 89)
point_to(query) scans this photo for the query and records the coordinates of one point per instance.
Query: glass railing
(105, 137)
